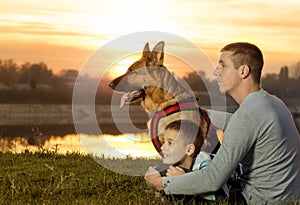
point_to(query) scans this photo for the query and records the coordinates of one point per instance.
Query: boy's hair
(190, 131)
(247, 54)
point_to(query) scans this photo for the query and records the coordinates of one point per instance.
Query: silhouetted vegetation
(282, 85)
(32, 83)
(36, 83)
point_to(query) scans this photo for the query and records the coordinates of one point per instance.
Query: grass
(46, 177)
(49, 178)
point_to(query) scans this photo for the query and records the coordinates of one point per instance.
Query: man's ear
(159, 51)
(244, 71)
(190, 149)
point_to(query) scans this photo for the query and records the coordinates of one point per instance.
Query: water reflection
(118, 146)
(62, 138)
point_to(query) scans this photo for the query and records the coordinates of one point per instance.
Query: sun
(120, 67)
(174, 64)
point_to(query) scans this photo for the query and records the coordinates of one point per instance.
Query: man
(261, 135)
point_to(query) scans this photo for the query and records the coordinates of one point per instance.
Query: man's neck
(243, 91)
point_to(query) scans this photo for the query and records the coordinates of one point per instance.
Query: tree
(68, 73)
(35, 74)
(270, 83)
(295, 70)
(284, 74)
(9, 72)
(196, 81)
(283, 81)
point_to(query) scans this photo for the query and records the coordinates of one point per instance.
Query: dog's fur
(157, 88)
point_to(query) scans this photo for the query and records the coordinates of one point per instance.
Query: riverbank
(66, 114)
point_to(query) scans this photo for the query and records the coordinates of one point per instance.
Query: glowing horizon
(135, 145)
(64, 34)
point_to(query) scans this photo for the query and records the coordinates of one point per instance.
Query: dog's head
(142, 74)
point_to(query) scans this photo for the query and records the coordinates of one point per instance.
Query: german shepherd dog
(161, 95)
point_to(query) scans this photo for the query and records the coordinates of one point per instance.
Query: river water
(50, 128)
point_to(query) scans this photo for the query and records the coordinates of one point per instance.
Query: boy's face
(173, 148)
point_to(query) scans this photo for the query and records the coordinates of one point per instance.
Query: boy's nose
(163, 147)
(215, 72)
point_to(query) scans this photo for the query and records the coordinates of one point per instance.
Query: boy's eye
(161, 139)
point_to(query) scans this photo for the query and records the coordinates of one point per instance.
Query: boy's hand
(173, 171)
(153, 179)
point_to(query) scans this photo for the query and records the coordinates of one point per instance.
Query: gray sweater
(261, 135)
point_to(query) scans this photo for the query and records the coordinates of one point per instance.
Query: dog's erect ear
(159, 50)
(146, 50)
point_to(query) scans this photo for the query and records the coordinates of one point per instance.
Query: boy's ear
(190, 149)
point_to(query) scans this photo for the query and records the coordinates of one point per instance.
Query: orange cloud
(55, 56)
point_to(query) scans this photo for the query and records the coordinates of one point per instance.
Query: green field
(48, 178)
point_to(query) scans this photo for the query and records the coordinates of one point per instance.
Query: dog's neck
(167, 92)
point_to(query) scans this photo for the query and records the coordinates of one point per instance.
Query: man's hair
(247, 54)
(190, 131)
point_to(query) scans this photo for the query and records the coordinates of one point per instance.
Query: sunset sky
(64, 33)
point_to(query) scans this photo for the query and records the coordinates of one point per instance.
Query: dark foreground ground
(49, 178)
(46, 177)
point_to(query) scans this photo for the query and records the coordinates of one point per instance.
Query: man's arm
(191, 183)
(201, 181)
(236, 143)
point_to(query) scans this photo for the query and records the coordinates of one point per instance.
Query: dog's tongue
(126, 98)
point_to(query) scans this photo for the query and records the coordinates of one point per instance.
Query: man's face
(173, 148)
(227, 74)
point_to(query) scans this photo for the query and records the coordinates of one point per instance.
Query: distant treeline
(36, 83)
(284, 85)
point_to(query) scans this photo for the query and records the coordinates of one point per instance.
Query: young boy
(181, 145)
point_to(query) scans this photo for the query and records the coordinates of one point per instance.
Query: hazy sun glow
(65, 33)
(120, 146)
(120, 67)
(175, 65)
